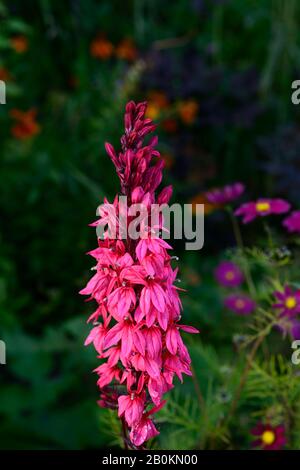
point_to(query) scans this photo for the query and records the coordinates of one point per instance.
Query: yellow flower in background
(157, 102)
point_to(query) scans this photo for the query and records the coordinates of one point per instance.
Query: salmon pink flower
(261, 208)
(240, 304)
(229, 274)
(269, 437)
(225, 195)
(136, 323)
(292, 222)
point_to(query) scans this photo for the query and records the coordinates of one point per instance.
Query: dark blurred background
(217, 75)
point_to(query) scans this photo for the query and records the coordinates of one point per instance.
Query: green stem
(240, 245)
(244, 376)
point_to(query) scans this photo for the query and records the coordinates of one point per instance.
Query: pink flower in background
(288, 302)
(229, 274)
(240, 304)
(136, 324)
(225, 195)
(292, 222)
(261, 208)
(269, 437)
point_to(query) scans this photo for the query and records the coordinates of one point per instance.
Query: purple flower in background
(292, 222)
(261, 208)
(240, 304)
(229, 274)
(226, 194)
(289, 325)
(295, 329)
(288, 302)
(289, 306)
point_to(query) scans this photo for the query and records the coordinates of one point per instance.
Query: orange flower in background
(4, 74)
(170, 125)
(192, 276)
(19, 44)
(157, 102)
(126, 50)
(188, 111)
(73, 81)
(159, 98)
(101, 48)
(201, 199)
(168, 159)
(26, 125)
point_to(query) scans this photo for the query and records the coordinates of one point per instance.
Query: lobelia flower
(269, 437)
(240, 304)
(225, 195)
(229, 274)
(136, 323)
(292, 222)
(261, 208)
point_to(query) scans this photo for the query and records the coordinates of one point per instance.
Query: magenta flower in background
(289, 326)
(223, 196)
(136, 322)
(261, 208)
(229, 274)
(295, 328)
(269, 437)
(292, 222)
(288, 302)
(288, 305)
(240, 304)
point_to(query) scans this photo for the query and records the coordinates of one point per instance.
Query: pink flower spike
(138, 305)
